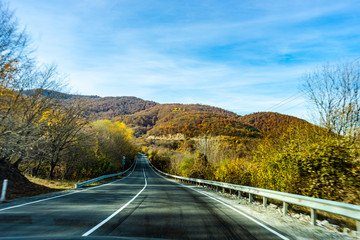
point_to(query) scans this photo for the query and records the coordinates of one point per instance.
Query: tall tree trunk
(35, 170)
(17, 163)
(53, 163)
(52, 167)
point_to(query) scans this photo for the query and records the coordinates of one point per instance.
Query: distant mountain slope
(110, 107)
(149, 117)
(59, 95)
(190, 120)
(271, 123)
(101, 107)
(194, 124)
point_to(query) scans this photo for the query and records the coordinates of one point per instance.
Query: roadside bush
(160, 159)
(330, 169)
(233, 171)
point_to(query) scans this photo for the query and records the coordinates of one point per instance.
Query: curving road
(142, 205)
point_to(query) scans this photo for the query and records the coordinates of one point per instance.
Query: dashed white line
(115, 213)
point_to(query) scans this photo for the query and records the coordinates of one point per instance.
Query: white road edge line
(238, 211)
(227, 205)
(67, 194)
(115, 213)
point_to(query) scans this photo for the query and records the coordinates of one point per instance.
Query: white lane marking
(227, 205)
(67, 194)
(115, 213)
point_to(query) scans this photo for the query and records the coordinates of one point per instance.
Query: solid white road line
(227, 205)
(115, 213)
(67, 194)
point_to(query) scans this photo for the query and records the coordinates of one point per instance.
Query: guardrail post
(313, 216)
(223, 190)
(251, 197)
(230, 191)
(265, 201)
(3, 192)
(358, 228)
(285, 208)
(239, 194)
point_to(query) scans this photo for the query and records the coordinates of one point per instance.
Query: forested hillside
(58, 95)
(103, 107)
(272, 123)
(190, 120)
(98, 107)
(110, 107)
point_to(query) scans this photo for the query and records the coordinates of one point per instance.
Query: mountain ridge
(188, 119)
(150, 118)
(154, 119)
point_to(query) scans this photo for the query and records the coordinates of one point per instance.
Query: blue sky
(245, 56)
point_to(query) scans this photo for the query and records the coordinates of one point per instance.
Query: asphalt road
(142, 205)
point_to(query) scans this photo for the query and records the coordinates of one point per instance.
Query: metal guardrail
(79, 185)
(343, 209)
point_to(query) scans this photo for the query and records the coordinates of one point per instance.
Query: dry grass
(54, 184)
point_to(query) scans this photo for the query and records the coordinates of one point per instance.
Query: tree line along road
(142, 205)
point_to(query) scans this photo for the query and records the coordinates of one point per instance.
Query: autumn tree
(22, 96)
(79, 160)
(61, 128)
(113, 141)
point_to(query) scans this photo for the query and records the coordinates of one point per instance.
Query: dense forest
(271, 123)
(110, 107)
(188, 119)
(100, 107)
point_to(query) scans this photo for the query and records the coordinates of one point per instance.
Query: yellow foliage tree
(115, 140)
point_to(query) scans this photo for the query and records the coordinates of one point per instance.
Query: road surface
(142, 205)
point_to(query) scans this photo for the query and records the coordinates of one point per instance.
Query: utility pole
(205, 145)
